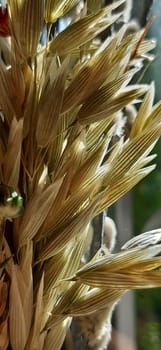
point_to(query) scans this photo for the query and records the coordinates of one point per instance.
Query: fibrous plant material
(65, 148)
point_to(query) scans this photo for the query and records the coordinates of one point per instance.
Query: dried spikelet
(58, 8)
(62, 100)
(47, 125)
(11, 161)
(87, 302)
(64, 236)
(39, 206)
(17, 330)
(82, 31)
(25, 26)
(34, 339)
(7, 94)
(55, 337)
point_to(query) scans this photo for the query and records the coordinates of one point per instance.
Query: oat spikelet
(66, 150)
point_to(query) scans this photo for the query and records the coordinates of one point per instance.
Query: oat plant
(66, 150)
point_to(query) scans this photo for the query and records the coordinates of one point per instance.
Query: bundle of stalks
(63, 149)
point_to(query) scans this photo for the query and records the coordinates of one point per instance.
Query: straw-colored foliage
(63, 147)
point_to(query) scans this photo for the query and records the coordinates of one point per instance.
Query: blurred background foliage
(147, 194)
(146, 202)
